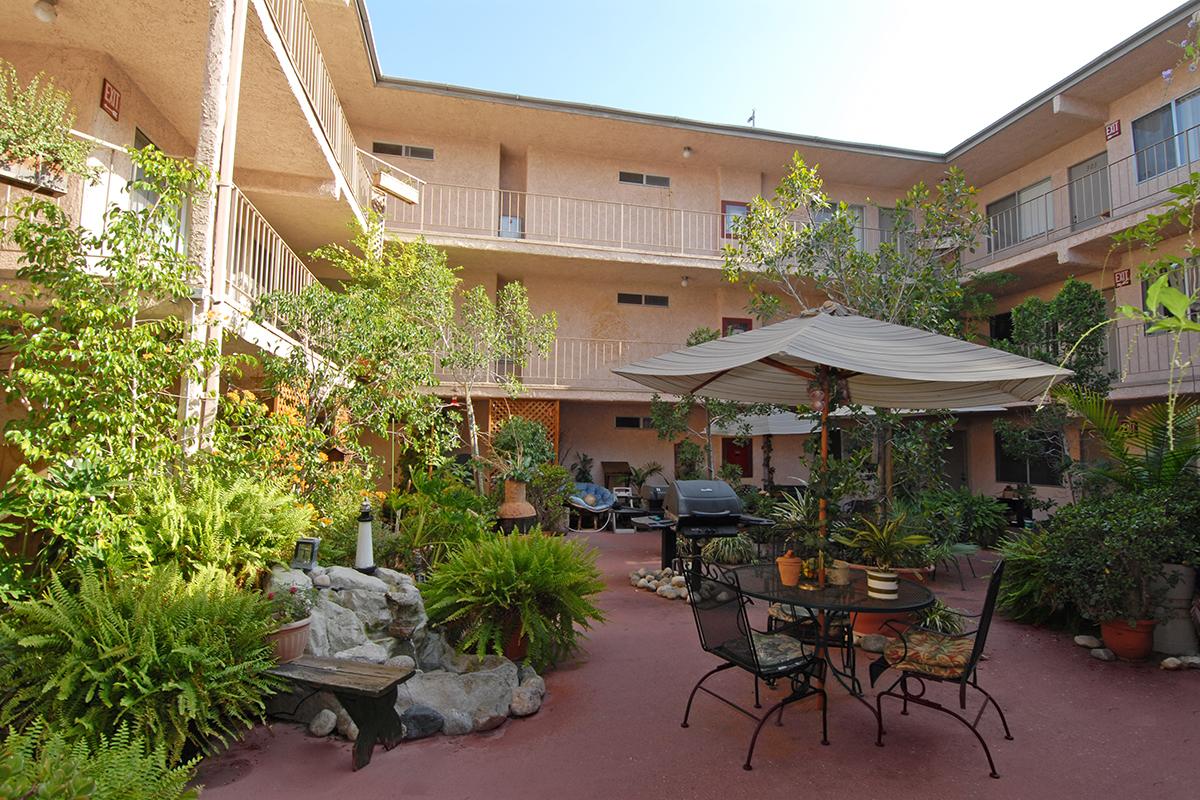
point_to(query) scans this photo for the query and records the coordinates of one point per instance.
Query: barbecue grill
(699, 510)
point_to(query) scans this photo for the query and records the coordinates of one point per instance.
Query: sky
(922, 74)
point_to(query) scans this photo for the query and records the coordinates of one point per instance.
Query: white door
(1090, 203)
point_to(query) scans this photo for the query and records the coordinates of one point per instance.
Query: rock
(481, 692)
(393, 578)
(634, 580)
(666, 591)
(1104, 654)
(405, 610)
(283, 579)
(370, 607)
(346, 726)
(641, 571)
(683, 594)
(679, 581)
(431, 650)
(403, 662)
(456, 723)
(1170, 662)
(419, 721)
(1190, 662)
(488, 722)
(333, 629)
(352, 579)
(1090, 642)
(323, 723)
(321, 581)
(301, 705)
(874, 642)
(643, 584)
(525, 701)
(370, 653)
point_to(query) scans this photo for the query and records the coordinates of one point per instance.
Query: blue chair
(591, 508)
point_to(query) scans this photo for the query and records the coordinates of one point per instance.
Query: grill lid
(697, 501)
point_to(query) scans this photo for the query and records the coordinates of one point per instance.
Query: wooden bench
(366, 691)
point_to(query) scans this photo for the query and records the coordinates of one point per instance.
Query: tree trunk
(473, 433)
(768, 446)
(708, 443)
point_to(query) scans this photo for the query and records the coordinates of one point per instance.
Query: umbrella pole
(822, 502)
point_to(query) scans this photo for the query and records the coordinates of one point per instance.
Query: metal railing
(296, 31)
(1139, 358)
(477, 212)
(1134, 183)
(258, 261)
(583, 364)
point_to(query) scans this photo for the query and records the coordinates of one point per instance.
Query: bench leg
(377, 721)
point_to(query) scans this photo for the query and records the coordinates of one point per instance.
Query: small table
(763, 582)
(366, 691)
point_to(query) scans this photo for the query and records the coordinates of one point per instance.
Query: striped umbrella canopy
(876, 363)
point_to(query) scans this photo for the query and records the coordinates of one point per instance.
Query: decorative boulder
(283, 579)
(334, 628)
(349, 578)
(370, 607)
(370, 653)
(420, 721)
(405, 610)
(323, 723)
(481, 695)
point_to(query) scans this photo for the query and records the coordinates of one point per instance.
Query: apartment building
(613, 219)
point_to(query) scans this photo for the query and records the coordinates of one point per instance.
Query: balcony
(446, 213)
(1142, 361)
(1115, 193)
(580, 365)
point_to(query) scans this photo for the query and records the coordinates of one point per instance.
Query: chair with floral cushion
(923, 655)
(719, 608)
(591, 508)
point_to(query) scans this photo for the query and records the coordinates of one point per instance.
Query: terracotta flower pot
(790, 569)
(290, 640)
(869, 622)
(515, 512)
(1130, 642)
(516, 644)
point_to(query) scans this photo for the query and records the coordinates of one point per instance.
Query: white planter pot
(882, 584)
(1175, 634)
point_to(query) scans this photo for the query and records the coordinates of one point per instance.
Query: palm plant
(639, 475)
(1155, 447)
(885, 544)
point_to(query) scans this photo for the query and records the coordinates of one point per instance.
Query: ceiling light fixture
(46, 10)
(687, 152)
(684, 281)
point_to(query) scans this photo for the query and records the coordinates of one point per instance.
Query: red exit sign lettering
(1122, 278)
(1112, 130)
(110, 100)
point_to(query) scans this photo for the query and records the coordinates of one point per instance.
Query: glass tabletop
(762, 581)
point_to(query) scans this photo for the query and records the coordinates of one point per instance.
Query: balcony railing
(1135, 183)
(500, 214)
(296, 31)
(1144, 359)
(259, 261)
(582, 364)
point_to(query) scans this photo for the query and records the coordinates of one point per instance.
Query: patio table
(762, 581)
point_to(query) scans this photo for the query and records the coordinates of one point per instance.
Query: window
(403, 150)
(856, 212)
(641, 179)
(889, 221)
(1000, 327)
(630, 299)
(635, 422)
(1167, 137)
(730, 211)
(1020, 216)
(731, 325)
(740, 454)
(1040, 471)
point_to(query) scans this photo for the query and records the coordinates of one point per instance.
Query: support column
(208, 239)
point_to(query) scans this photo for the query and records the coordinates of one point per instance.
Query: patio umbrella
(809, 359)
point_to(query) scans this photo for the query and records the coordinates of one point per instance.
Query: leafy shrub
(739, 549)
(502, 587)
(581, 468)
(238, 526)
(517, 435)
(182, 662)
(40, 764)
(548, 494)
(689, 461)
(36, 121)
(941, 617)
(1031, 591)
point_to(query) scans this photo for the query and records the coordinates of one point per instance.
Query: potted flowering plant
(37, 150)
(292, 609)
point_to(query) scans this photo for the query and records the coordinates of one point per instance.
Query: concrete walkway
(610, 728)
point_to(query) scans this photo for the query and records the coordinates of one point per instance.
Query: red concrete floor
(610, 728)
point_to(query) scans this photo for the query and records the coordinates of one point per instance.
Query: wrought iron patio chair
(719, 608)
(922, 655)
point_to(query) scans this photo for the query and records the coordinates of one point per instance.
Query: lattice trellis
(543, 411)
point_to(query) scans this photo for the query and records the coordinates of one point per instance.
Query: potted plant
(638, 476)
(37, 149)
(519, 448)
(526, 596)
(292, 610)
(884, 545)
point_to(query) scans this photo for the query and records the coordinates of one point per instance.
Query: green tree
(800, 248)
(1066, 330)
(673, 419)
(488, 342)
(366, 354)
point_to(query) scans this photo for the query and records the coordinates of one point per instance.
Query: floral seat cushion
(786, 613)
(775, 649)
(931, 653)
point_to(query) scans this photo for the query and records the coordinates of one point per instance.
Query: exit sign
(1122, 278)
(110, 100)
(1112, 130)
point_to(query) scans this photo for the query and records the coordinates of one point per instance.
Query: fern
(535, 586)
(181, 662)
